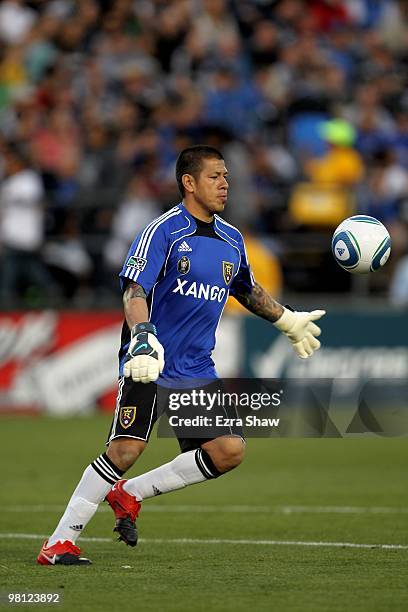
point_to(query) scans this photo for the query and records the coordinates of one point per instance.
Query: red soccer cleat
(126, 508)
(61, 553)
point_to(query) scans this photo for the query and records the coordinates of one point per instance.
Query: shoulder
(166, 223)
(228, 230)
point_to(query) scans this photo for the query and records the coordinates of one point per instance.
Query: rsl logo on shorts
(127, 416)
(227, 271)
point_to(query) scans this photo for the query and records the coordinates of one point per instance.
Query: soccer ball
(361, 244)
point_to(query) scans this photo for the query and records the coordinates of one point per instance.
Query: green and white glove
(301, 331)
(145, 357)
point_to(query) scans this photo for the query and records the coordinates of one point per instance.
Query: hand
(145, 357)
(301, 331)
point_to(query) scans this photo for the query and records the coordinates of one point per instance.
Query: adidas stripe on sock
(205, 464)
(106, 469)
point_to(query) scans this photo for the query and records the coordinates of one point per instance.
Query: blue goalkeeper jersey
(187, 268)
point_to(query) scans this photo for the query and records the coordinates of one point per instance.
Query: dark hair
(190, 162)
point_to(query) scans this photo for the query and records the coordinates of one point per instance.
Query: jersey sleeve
(244, 279)
(146, 257)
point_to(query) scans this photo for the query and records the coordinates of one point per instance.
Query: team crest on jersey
(136, 262)
(227, 271)
(183, 265)
(127, 416)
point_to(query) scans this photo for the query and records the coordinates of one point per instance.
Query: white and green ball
(361, 244)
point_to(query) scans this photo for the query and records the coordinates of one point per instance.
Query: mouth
(222, 197)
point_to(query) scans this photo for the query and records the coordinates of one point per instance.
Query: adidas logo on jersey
(184, 247)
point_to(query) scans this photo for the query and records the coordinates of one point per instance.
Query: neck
(195, 209)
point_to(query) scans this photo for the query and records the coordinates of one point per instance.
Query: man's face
(210, 187)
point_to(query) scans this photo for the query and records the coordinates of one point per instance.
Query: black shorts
(139, 406)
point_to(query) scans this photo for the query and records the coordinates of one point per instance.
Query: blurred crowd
(306, 99)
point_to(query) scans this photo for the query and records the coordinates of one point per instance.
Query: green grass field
(287, 492)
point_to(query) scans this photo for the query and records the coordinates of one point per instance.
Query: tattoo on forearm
(133, 291)
(261, 303)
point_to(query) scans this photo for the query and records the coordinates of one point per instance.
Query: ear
(188, 182)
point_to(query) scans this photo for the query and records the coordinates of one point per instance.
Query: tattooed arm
(299, 327)
(261, 303)
(134, 304)
(145, 356)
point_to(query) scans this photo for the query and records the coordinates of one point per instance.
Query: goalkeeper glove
(145, 356)
(301, 331)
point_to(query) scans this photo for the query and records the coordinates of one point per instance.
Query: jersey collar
(188, 216)
(193, 220)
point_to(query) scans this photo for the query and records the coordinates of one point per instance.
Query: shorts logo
(227, 271)
(127, 416)
(183, 265)
(136, 262)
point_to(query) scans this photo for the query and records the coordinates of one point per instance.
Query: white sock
(90, 491)
(186, 469)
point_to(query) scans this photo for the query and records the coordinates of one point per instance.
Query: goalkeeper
(176, 279)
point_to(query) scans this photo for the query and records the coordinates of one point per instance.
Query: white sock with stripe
(186, 469)
(96, 482)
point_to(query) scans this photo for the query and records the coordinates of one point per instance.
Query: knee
(228, 455)
(123, 452)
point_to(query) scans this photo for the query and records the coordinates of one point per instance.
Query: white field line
(33, 536)
(221, 509)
